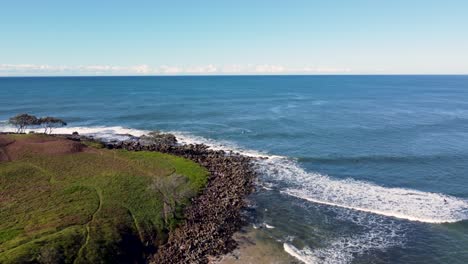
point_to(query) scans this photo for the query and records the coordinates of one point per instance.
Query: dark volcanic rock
(213, 216)
(156, 138)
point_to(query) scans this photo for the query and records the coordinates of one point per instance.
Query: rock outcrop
(213, 216)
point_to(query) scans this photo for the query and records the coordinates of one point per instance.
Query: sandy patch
(255, 247)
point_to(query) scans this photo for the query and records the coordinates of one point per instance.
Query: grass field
(66, 202)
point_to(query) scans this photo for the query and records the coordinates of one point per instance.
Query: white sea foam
(302, 255)
(352, 194)
(187, 138)
(353, 200)
(376, 232)
(104, 132)
(364, 196)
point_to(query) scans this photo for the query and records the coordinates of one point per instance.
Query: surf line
(378, 212)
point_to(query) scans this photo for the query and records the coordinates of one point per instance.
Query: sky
(89, 37)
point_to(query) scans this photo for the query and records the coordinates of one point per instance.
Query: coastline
(214, 216)
(325, 192)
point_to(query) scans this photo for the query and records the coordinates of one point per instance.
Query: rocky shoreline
(213, 216)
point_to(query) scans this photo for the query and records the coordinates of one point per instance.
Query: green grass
(87, 207)
(94, 144)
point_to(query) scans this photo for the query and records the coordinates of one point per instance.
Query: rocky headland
(213, 216)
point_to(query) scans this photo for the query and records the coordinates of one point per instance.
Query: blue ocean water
(360, 169)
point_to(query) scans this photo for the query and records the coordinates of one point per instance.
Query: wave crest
(352, 194)
(402, 203)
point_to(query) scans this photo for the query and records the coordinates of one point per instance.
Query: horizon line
(238, 75)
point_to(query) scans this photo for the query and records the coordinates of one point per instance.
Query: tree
(174, 191)
(48, 123)
(22, 121)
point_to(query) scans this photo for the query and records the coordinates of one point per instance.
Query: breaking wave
(401, 203)
(375, 207)
(292, 180)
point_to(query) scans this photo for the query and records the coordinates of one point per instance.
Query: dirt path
(4, 142)
(93, 216)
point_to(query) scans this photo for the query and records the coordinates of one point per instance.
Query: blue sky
(233, 37)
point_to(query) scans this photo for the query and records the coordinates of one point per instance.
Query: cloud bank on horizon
(210, 69)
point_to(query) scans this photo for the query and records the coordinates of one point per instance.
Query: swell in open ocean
(375, 208)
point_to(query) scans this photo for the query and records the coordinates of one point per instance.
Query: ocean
(360, 169)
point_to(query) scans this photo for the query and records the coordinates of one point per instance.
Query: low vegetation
(66, 202)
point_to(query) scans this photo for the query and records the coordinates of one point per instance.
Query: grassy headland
(66, 202)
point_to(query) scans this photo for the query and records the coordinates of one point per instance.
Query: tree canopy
(22, 121)
(48, 123)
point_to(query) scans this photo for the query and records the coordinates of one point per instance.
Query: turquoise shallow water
(361, 169)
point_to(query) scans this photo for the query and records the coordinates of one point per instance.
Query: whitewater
(369, 204)
(401, 203)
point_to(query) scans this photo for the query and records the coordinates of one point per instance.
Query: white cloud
(169, 70)
(144, 69)
(325, 70)
(202, 69)
(269, 68)
(232, 69)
